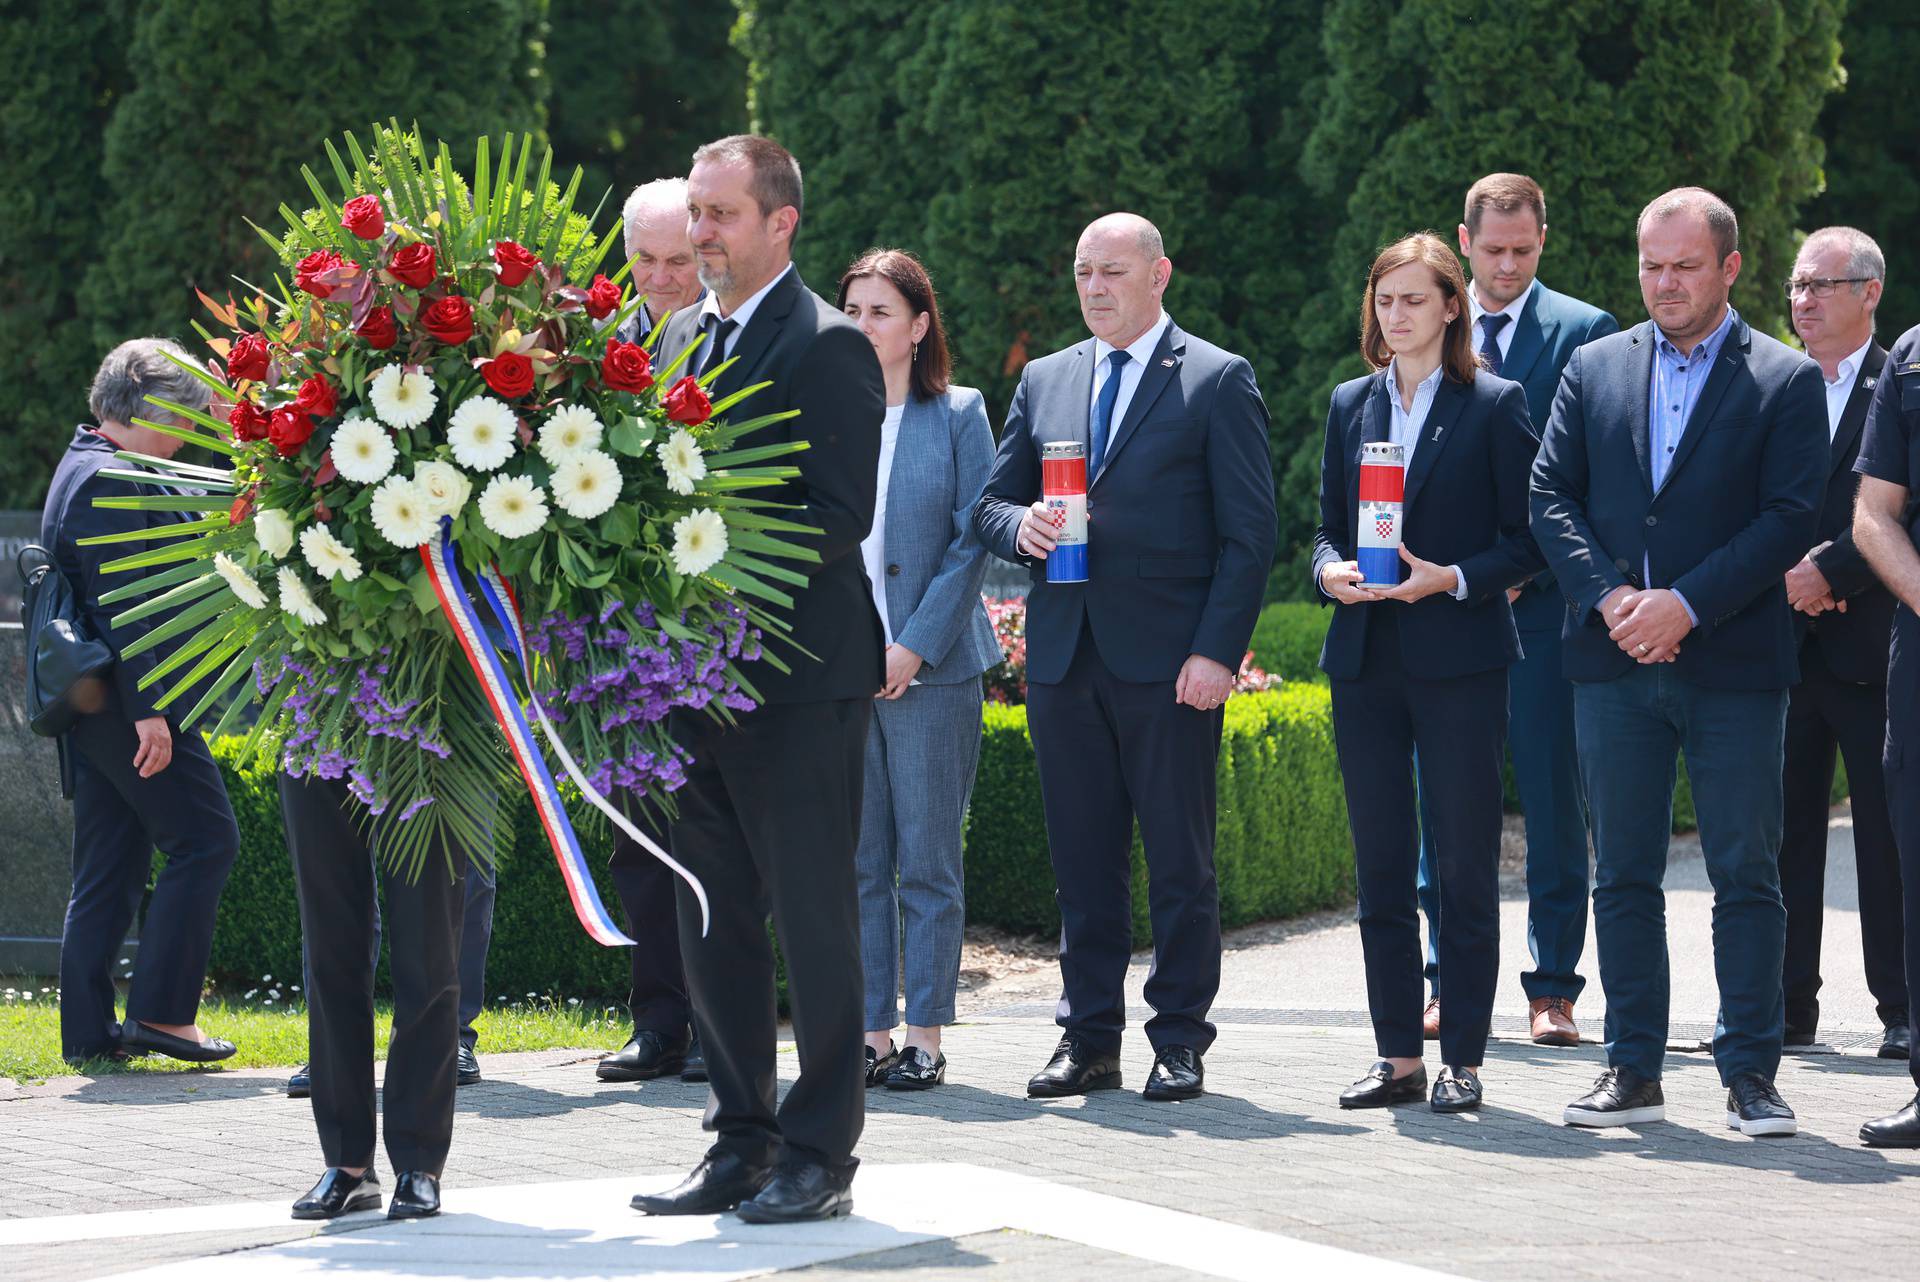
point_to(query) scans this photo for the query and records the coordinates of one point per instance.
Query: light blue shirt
(1406, 428)
(1677, 383)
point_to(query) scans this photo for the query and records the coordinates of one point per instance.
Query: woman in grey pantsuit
(925, 566)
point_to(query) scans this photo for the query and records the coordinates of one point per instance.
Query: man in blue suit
(1525, 332)
(1128, 670)
(1679, 479)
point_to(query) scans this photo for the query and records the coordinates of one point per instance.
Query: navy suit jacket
(1740, 506)
(1854, 644)
(1180, 522)
(1466, 505)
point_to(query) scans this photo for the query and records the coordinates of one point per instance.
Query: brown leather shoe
(1552, 1022)
(1430, 1022)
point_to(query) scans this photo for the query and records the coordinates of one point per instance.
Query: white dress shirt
(710, 306)
(1840, 388)
(1406, 429)
(1504, 339)
(873, 548)
(1140, 350)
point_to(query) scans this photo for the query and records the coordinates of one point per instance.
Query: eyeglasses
(1821, 287)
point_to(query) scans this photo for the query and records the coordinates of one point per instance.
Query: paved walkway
(188, 1175)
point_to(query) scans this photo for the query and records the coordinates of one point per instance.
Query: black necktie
(1490, 326)
(718, 332)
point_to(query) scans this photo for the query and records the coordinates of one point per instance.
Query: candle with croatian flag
(1063, 484)
(1382, 484)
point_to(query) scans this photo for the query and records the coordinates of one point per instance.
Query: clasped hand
(1807, 588)
(1648, 626)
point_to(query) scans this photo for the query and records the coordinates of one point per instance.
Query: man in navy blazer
(1679, 479)
(1127, 672)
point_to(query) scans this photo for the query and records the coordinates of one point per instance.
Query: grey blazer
(934, 561)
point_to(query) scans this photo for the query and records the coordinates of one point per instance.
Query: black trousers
(119, 819)
(1458, 725)
(658, 996)
(1825, 715)
(1901, 763)
(769, 819)
(334, 870)
(1110, 752)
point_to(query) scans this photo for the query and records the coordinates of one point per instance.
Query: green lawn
(269, 1025)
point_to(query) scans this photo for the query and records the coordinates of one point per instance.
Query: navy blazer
(1739, 508)
(1853, 643)
(1465, 505)
(1180, 522)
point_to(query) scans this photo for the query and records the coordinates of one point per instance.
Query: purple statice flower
(414, 808)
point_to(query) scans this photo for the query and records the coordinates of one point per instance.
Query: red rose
(289, 429)
(412, 266)
(378, 329)
(603, 298)
(626, 367)
(687, 403)
(317, 397)
(363, 217)
(516, 262)
(247, 359)
(314, 265)
(248, 421)
(509, 374)
(450, 320)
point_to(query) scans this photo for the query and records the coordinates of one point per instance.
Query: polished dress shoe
(135, 1036)
(646, 1055)
(917, 1071)
(1550, 1022)
(300, 1085)
(1430, 1020)
(1456, 1090)
(695, 1069)
(1896, 1130)
(467, 1071)
(1797, 1036)
(338, 1194)
(799, 1191)
(878, 1065)
(1898, 1042)
(416, 1195)
(1177, 1074)
(1380, 1087)
(721, 1182)
(1075, 1069)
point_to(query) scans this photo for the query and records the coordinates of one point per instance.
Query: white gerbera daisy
(401, 399)
(362, 451)
(570, 429)
(239, 580)
(327, 555)
(513, 507)
(586, 484)
(446, 486)
(401, 514)
(682, 461)
(273, 531)
(297, 601)
(482, 433)
(699, 541)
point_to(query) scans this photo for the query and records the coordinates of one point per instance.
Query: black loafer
(721, 1182)
(1177, 1074)
(646, 1055)
(1898, 1043)
(695, 1069)
(135, 1036)
(338, 1194)
(1896, 1130)
(468, 1070)
(915, 1070)
(300, 1085)
(878, 1065)
(798, 1192)
(1380, 1088)
(416, 1195)
(1456, 1090)
(1075, 1069)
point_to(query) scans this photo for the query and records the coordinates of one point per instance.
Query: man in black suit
(770, 813)
(1679, 479)
(1844, 619)
(1127, 671)
(653, 227)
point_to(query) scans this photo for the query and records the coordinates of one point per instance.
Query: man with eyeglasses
(1842, 616)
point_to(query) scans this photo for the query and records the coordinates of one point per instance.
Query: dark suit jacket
(816, 362)
(1466, 505)
(1180, 522)
(1740, 506)
(1854, 644)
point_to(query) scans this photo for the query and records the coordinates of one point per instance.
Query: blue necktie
(1103, 412)
(1490, 327)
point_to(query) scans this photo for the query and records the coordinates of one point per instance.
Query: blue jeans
(1630, 731)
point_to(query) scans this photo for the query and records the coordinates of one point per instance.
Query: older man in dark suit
(1127, 671)
(1678, 481)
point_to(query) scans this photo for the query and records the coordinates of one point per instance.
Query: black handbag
(67, 665)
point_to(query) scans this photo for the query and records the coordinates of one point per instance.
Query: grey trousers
(921, 755)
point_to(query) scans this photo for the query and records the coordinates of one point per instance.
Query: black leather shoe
(1456, 1090)
(1896, 1130)
(1380, 1087)
(337, 1194)
(721, 1182)
(1898, 1043)
(1620, 1097)
(416, 1195)
(468, 1070)
(915, 1070)
(300, 1085)
(1177, 1074)
(797, 1192)
(135, 1036)
(878, 1065)
(1075, 1069)
(646, 1055)
(695, 1069)
(1755, 1108)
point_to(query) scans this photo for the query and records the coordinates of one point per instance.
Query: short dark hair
(933, 365)
(1721, 222)
(776, 174)
(1506, 194)
(1456, 350)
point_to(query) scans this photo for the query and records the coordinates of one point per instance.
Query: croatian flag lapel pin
(1167, 361)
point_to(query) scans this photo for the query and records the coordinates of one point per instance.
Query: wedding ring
(1643, 647)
